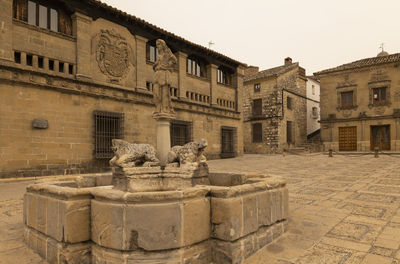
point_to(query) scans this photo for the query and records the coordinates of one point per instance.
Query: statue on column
(163, 67)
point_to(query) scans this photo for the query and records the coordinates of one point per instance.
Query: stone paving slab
(343, 210)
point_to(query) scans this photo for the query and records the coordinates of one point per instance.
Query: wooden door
(227, 143)
(380, 137)
(347, 138)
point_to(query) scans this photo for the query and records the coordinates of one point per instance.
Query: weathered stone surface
(57, 252)
(107, 224)
(153, 226)
(132, 155)
(196, 221)
(227, 218)
(227, 179)
(250, 214)
(190, 154)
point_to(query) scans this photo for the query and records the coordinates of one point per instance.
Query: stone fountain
(157, 206)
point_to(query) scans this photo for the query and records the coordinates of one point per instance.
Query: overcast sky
(319, 34)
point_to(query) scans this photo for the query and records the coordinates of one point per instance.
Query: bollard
(330, 153)
(376, 149)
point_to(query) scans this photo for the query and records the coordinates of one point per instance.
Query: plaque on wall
(40, 123)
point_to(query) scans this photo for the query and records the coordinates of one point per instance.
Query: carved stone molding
(114, 55)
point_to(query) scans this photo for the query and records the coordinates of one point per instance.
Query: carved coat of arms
(113, 55)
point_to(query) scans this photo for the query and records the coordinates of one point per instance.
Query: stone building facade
(313, 108)
(360, 104)
(74, 74)
(274, 108)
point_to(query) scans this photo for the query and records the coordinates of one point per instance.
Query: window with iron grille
(257, 132)
(257, 107)
(107, 126)
(181, 133)
(257, 87)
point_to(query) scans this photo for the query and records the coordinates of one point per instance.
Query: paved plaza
(343, 209)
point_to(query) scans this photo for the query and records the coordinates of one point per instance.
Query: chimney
(250, 70)
(288, 61)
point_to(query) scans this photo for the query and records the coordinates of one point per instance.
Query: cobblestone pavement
(343, 210)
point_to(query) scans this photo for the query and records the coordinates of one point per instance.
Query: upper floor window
(379, 95)
(257, 87)
(313, 89)
(39, 14)
(315, 112)
(346, 99)
(151, 52)
(196, 67)
(257, 107)
(223, 76)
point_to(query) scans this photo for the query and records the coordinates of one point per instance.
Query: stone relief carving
(190, 153)
(113, 54)
(378, 75)
(346, 81)
(164, 65)
(128, 155)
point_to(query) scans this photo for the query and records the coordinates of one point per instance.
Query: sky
(319, 34)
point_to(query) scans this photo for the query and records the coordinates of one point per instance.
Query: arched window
(40, 14)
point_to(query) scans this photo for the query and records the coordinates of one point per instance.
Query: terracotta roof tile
(363, 63)
(271, 72)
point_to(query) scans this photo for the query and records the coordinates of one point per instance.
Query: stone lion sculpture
(132, 155)
(189, 153)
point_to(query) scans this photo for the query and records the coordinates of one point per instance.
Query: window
(181, 133)
(347, 99)
(51, 65)
(40, 62)
(17, 57)
(149, 86)
(257, 132)
(257, 107)
(29, 59)
(223, 77)
(315, 112)
(71, 69)
(313, 89)
(257, 87)
(43, 16)
(151, 52)
(108, 126)
(289, 103)
(61, 66)
(379, 96)
(195, 67)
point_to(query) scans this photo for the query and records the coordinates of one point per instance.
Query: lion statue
(132, 155)
(189, 153)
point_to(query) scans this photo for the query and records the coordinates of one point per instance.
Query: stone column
(6, 9)
(182, 60)
(163, 136)
(141, 62)
(83, 45)
(212, 71)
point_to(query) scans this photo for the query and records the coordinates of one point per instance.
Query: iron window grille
(181, 133)
(257, 107)
(107, 126)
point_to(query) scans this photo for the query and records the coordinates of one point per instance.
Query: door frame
(372, 145)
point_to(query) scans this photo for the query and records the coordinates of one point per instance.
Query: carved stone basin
(222, 220)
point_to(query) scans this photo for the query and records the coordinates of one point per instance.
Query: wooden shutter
(257, 132)
(21, 10)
